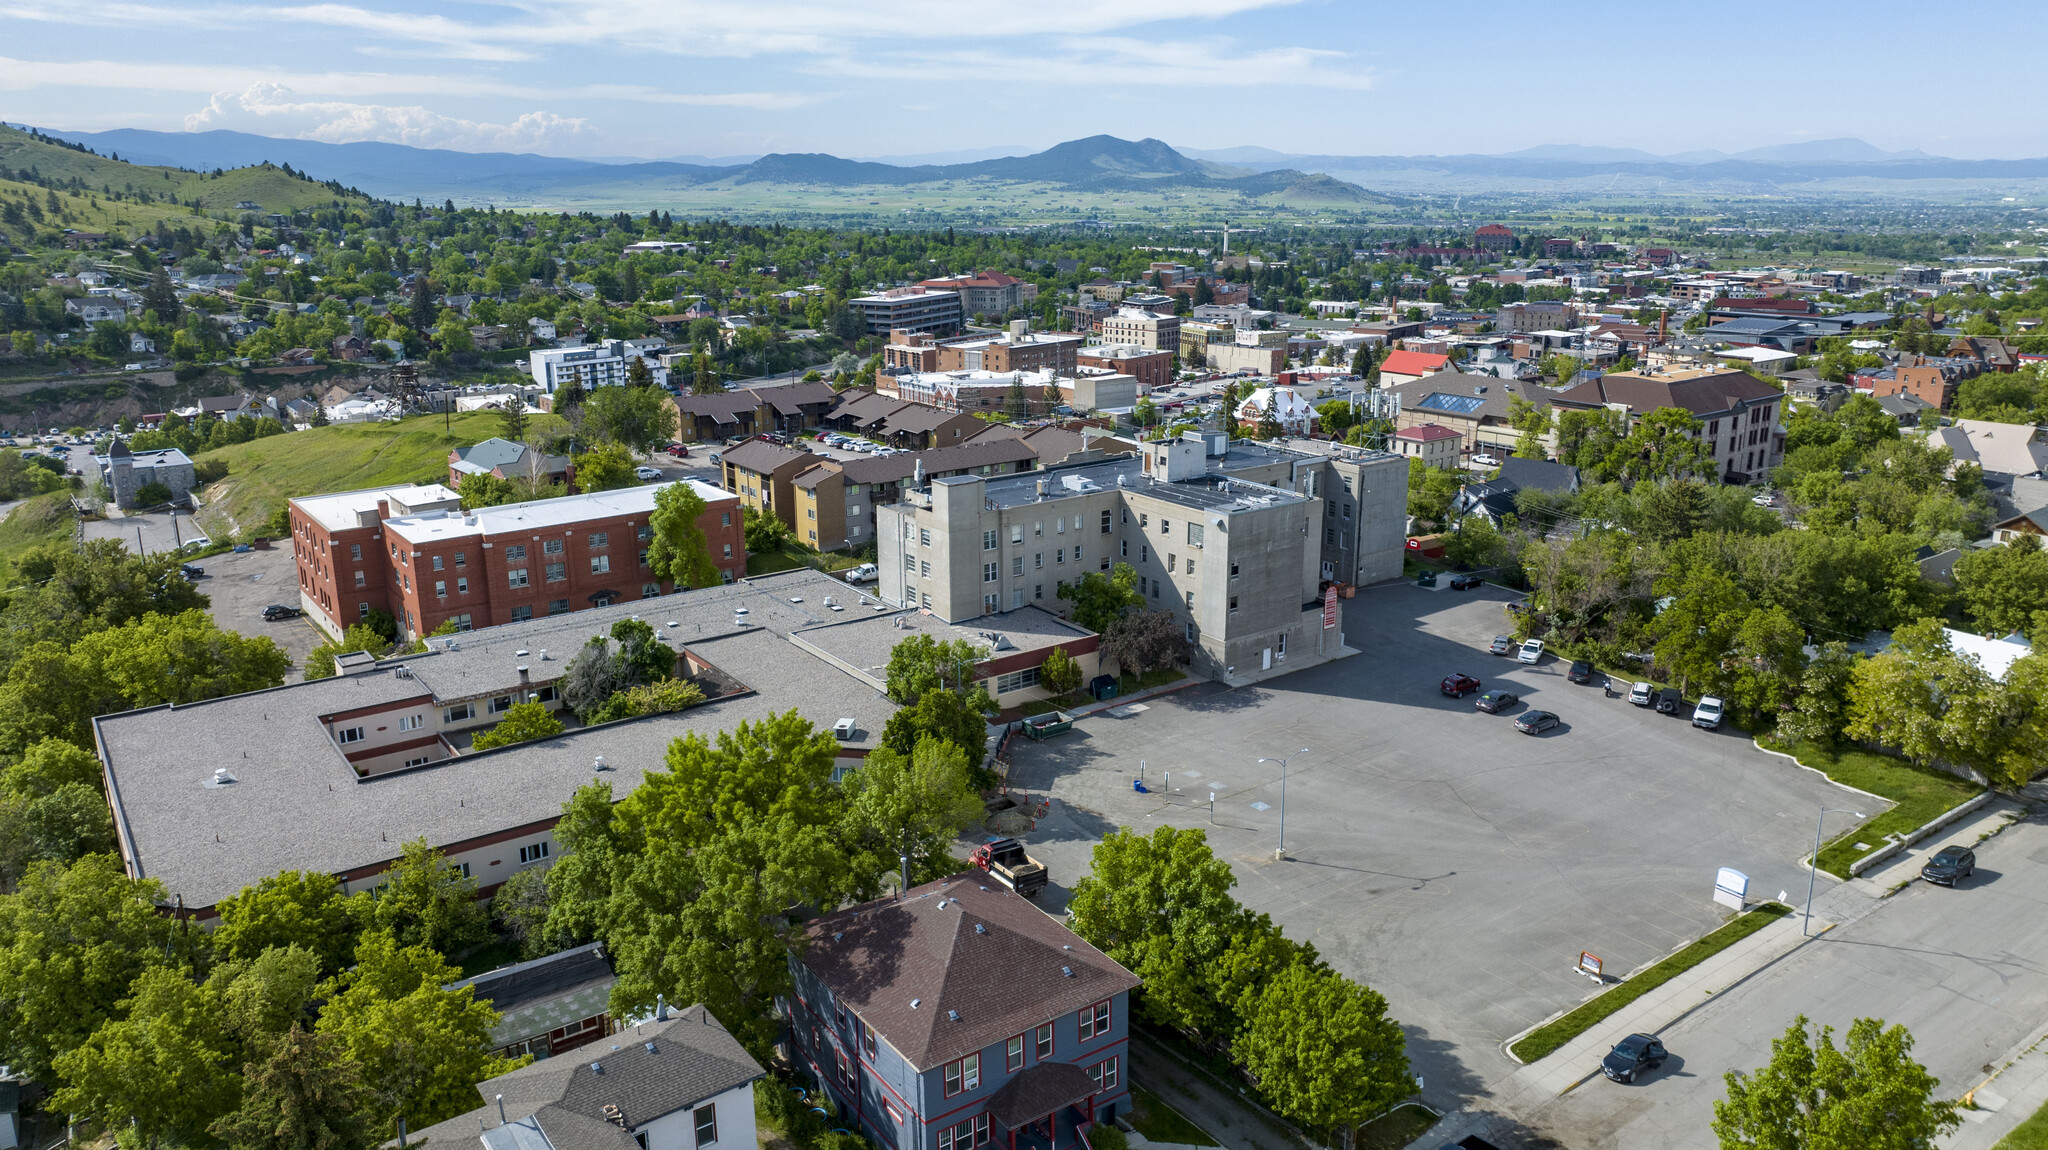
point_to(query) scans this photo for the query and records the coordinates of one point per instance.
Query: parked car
(1495, 701)
(1485, 461)
(191, 570)
(1458, 686)
(1519, 607)
(1006, 862)
(1466, 582)
(196, 543)
(1532, 652)
(278, 611)
(1950, 866)
(1707, 714)
(1631, 1056)
(1765, 500)
(647, 472)
(1640, 694)
(1536, 722)
(1667, 701)
(714, 459)
(1501, 645)
(1581, 672)
(678, 450)
(865, 573)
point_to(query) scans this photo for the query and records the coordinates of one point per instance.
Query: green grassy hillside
(171, 190)
(35, 521)
(263, 473)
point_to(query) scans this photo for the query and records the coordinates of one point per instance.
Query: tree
(1059, 674)
(1531, 423)
(426, 902)
(765, 532)
(637, 372)
(1924, 699)
(2003, 587)
(606, 467)
(520, 908)
(1812, 1096)
(422, 1049)
(1145, 641)
(916, 805)
(168, 1066)
(704, 380)
(594, 675)
(512, 419)
(1017, 405)
(72, 941)
(950, 716)
(1160, 904)
(1362, 360)
(1100, 598)
(152, 494)
(422, 311)
(1822, 706)
(1269, 420)
(1322, 1048)
(570, 395)
(523, 723)
(638, 417)
(920, 663)
(1696, 629)
(305, 1094)
(679, 552)
(304, 908)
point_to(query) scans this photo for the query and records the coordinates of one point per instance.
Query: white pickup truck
(1707, 714)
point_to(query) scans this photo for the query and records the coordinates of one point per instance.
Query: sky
(874, 78)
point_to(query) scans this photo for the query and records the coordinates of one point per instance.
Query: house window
(546, 694)
(501, 704)
(1165, 527)
(1191, 600)
(460, 561)
(516, 551)
(988, 573)
(728, 551)
(462, 585)
(437, 562)
(599, 539)
(522, 613)
(1038, 559)
(1094, 1020)
(419, 760)
(355, 552)
(1194, 535)
(516, 577)
(411, 722)
(360, 581)
(1233, 604)
(1044, 1042)
(963, 1075)
(867, 1039)
(650, 590)
(1059, 526)
(1037, 528)
(707, 1123)
(988, 540)
(460, 713)
(1016, 533)
(725, 519)
(440, 589)
(1191, 628)
(924, 536)
(551, 547)
(533, 853)
(461, 622)
(347, 735)
(1013, 1055)
(1104, 1074)
(599, 564)
(362, 610)
(1281, 646)
(1233, 568)
(557, 572)
(1016, 680)
(558, 606)
(966, 1136)
(1105, 523)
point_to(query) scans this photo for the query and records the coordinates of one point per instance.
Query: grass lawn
(792, 555)
(40, 519)
(1921, 793)
(490, 956)
(1128, 684)
(1162, 1123)
(2029, 1135)
(1395, 1129)
(1552, 1036)
(263, 473)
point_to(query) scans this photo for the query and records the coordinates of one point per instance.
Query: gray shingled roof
(763, 457)
(648, 1071)
(1020, 969)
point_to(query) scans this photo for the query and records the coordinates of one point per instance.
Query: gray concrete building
(1237, 539)
(127, 472)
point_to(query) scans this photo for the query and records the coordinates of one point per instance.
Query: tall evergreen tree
(160, 299)
(307, 1094)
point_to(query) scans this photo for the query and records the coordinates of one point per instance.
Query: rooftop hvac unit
(843, 730)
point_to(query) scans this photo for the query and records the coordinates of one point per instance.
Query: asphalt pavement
(1964, 970)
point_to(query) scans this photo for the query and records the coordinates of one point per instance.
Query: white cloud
(271, 107)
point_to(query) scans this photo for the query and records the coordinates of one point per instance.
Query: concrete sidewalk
(1579, 1059)
(1904, 867)
(1223, 1111)
(2006, 1099)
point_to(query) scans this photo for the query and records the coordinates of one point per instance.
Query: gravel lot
(1432, 851)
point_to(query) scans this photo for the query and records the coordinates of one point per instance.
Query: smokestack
(660, 1009)
(501, 1109)
(1663, 317)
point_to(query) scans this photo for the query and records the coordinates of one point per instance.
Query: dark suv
(1458, 686)
(1581, 672)
(1950, 866)
(1631, 1056)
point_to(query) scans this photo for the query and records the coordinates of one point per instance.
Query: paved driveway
(1433, 852)
(1966, 971)
(147, 534)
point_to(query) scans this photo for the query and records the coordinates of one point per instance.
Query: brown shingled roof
(972, 987)
(1701, 395)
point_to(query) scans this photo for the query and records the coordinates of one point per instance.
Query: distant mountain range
(1096, 164)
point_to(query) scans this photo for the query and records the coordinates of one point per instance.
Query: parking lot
(1434, 853)
(147, 534)
(242, 585)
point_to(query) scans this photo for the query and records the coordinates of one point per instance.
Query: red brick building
(426, 565)
(1495, 238)
(1151, 368)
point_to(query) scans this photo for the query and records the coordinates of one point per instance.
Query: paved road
(242, 585)
(1434, 853)
(1966, 971)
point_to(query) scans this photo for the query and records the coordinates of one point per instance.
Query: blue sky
(661, 78)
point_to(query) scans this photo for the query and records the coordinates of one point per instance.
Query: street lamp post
(1281, 850)
(1813, 864)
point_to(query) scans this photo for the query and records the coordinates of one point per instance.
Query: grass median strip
(1552, 1036)
(1918, 795)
